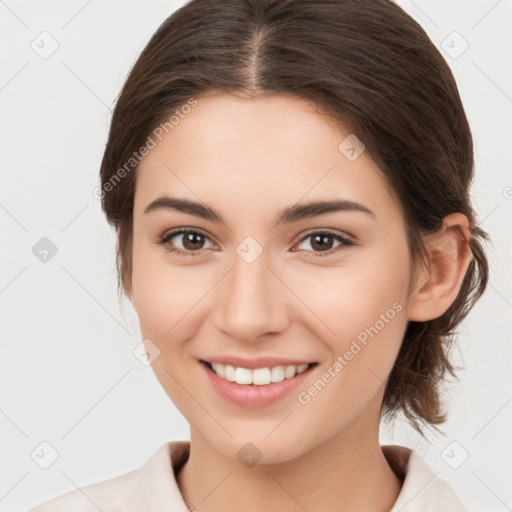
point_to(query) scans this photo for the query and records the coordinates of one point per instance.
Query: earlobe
(449, 257)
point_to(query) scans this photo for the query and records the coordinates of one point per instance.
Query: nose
(251, 302)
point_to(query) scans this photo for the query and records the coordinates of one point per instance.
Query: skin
(248, 159)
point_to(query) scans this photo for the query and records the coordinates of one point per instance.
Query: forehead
(257, 152)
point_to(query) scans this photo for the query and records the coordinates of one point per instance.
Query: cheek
(367, 316)
(168, 299)
(353, 296)
(363, 312)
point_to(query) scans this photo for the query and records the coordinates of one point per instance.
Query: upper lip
(257, 362)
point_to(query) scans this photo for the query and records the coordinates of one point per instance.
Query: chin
(260, 448)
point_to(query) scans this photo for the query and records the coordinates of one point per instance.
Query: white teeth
(302, 368)
(259, 376)
(289, 371)
(218, 369)
(243, 376)
(229, 372)
(277, 373)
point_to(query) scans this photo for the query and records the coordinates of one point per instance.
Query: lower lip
(252, 395)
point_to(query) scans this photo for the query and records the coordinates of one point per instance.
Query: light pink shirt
(153, 487)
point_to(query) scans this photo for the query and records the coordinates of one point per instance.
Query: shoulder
(107, 496)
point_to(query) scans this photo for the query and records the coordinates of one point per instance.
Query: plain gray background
(68, 374)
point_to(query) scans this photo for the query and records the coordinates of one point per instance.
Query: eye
(322, 241)
(192, 241)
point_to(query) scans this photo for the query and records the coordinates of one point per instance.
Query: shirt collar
(422, 490)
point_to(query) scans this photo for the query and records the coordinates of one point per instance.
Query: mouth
(259, 376)
(258, 387)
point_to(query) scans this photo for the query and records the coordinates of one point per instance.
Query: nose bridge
(251, 303)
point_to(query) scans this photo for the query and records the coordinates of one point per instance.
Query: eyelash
(168, 236)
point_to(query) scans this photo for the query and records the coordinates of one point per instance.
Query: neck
(349, 472)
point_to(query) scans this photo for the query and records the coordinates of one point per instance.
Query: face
(325, 286)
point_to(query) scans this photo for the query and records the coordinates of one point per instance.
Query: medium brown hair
(367, 64)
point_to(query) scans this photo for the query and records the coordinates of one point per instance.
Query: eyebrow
(288, 215)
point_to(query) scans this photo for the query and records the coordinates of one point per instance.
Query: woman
(289, 181)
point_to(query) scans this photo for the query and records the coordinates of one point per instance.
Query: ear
(437, 287)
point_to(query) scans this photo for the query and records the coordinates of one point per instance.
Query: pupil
(190, 238)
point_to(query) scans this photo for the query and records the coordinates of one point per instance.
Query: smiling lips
(267, 381)
(256, 381)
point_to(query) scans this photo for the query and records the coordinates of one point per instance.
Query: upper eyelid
(181, 231)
